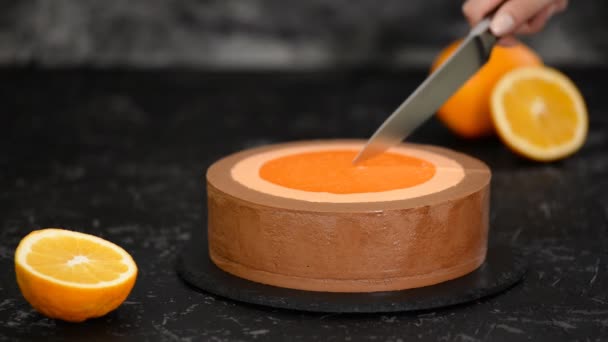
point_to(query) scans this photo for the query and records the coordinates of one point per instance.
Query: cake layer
(318, 243)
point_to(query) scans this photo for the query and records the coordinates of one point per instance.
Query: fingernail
(502, 24)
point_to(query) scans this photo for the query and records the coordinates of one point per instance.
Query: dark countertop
(122, 155)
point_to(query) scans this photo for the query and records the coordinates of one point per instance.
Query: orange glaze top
(333, 172)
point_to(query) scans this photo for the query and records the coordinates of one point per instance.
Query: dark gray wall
(267, 33)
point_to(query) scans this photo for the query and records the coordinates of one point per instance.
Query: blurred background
(267, 34)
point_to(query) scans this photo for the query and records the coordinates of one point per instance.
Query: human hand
(513, 16)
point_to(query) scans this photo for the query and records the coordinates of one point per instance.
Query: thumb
(515, 13)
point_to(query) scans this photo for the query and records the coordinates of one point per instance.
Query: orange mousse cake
(302, 216)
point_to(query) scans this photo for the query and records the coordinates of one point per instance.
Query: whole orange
(467, 112)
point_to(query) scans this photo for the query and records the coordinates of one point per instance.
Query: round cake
(302, 216)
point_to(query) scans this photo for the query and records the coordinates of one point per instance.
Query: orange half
(73, 276)
(539, 113)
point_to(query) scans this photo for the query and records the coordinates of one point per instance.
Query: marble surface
(266, 34)
(122, 154)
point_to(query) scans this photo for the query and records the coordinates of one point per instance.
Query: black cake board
(502, 269)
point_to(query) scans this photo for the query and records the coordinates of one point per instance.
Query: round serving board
(502, 269)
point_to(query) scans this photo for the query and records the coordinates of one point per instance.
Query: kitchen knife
(469, 57)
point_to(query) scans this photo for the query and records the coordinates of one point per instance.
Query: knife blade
(469, 57)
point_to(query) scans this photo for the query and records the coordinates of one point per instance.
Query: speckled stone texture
(123, 155)
(267, 33)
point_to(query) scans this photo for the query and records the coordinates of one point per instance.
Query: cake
(302, 216)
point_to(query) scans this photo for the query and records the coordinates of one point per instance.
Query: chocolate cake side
(348, 247)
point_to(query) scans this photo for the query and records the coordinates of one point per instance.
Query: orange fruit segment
(539, 113)
(73, 276)
(467, 112)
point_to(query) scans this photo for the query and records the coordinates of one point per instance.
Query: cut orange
(539, 113)
(73, 276)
